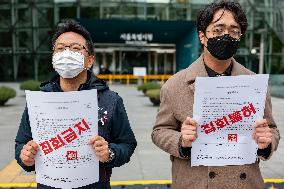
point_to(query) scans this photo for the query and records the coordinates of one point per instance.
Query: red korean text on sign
(208, 128)
(70, 135)
(248, 110)
(220, 123)
(46, 147)
(235, 117)
(72, 155)
(81, 129)
(57, 142)
(232, 137)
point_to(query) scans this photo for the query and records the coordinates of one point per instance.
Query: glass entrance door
(123, 60)
(131, 59)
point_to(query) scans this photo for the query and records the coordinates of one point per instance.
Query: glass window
(45, 36)
(24, 15)
(6, 68)
(7, 40)
(90, 12)
(45, 69)
(67, 12)
(44, 13)
(5, 18)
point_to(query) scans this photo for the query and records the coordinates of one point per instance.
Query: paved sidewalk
(148, 162)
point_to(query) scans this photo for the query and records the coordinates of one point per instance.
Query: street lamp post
(261, 50)
(261, 55)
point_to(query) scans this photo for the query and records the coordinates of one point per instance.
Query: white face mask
(68, 64)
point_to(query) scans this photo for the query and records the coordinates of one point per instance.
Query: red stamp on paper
(232, 137)
(72, 155)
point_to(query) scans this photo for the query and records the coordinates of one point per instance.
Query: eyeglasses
(75, 47)
(219, 31)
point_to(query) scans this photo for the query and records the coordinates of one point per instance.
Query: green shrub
(31, 85)
(6, 93)
(154, 95)
(148, 86)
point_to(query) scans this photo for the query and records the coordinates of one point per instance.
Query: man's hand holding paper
(262, 134)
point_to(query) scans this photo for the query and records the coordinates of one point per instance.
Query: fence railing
(127, 78)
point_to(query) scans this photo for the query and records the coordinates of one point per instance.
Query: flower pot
(2, 102)
(155, 101)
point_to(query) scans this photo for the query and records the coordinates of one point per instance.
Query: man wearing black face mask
(220, 26)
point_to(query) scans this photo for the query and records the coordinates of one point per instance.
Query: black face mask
(222, 47)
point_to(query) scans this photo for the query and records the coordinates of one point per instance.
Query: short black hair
(73, 26)
(205, 16)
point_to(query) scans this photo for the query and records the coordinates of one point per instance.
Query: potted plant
(147, 86)
(6, 93)
(154, 96)
(31, 85)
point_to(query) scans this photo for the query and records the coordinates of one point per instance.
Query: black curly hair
(205, 16)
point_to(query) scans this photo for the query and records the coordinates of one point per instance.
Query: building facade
(159, 35)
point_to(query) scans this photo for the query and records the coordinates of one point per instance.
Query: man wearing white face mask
(68, 63)
(72, 58)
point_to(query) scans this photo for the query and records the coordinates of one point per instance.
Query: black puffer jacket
(115, 129)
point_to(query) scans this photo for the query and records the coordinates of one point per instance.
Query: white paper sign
(225, 109)
(62, 124)
(139, 71)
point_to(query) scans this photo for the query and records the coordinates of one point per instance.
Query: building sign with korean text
(137, 38)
